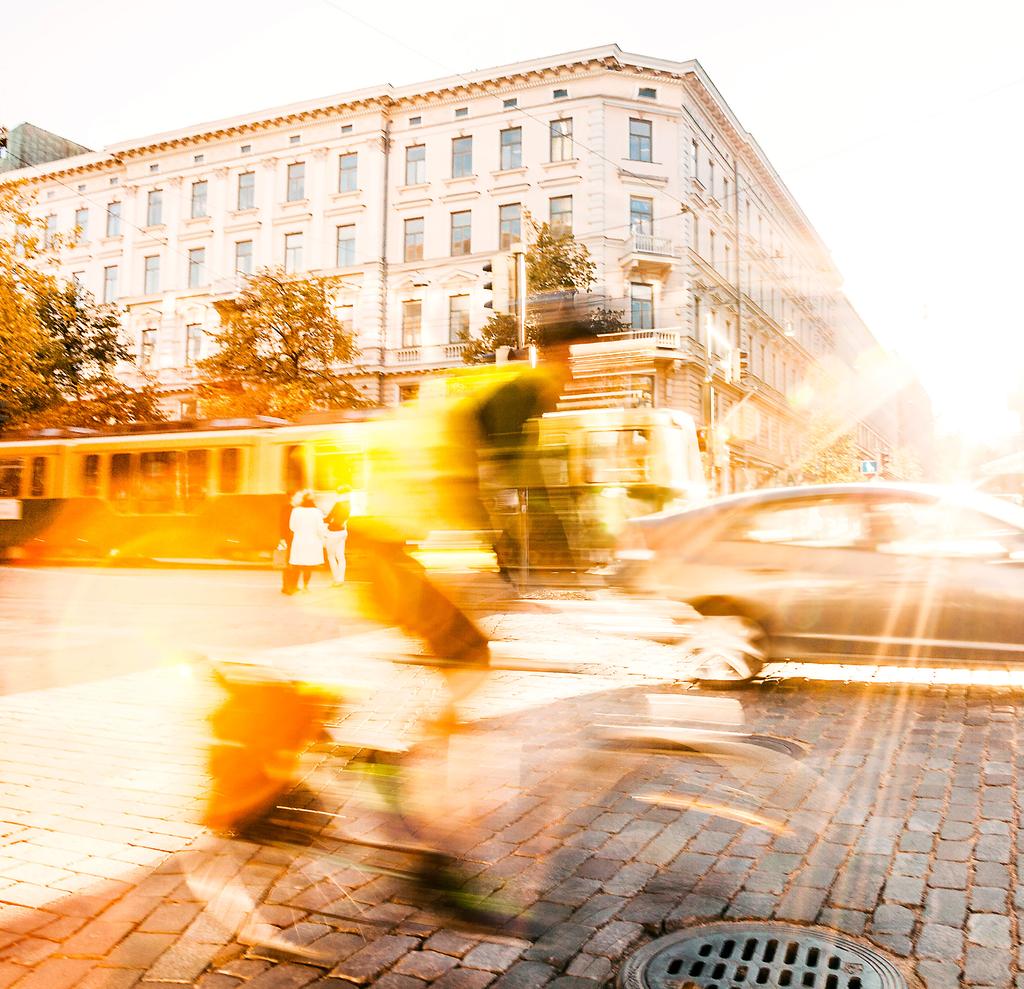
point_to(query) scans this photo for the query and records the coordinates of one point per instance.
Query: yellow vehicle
(217, 489)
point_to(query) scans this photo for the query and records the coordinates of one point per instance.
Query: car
(854, 573)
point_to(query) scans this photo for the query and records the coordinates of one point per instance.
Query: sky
(896, 124)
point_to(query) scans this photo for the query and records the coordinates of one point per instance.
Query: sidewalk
(902, 826)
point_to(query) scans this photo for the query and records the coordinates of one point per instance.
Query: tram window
(158, 481)
(10, 478)
(196, 473)
(294, 468)
(91, 475)
(38, 487)
(333, 469)
(618, 456)
(229, 473)
(120, 477)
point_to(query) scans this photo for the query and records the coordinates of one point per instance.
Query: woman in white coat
(309, 531)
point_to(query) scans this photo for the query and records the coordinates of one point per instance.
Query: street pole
(519, 253)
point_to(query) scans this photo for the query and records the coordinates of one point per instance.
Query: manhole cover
(727, 956)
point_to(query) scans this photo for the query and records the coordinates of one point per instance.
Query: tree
(279, 348)
(81, 349)
(58, 348)
(556, 265)
(22, 281)
(830, 454)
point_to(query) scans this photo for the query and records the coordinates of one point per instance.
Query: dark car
(852, 572)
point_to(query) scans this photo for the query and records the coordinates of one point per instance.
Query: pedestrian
(289, 574)
(337, 535)
(308, 531)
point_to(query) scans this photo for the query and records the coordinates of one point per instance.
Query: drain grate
(731, 955)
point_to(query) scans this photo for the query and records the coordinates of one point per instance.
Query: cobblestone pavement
(901, 826)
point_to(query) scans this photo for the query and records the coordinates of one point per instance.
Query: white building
(404, 193)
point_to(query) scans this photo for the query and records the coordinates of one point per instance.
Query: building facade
(404, 193)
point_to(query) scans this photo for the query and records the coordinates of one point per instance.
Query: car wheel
(724, 651)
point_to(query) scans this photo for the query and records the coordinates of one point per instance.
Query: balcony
(649, 255)
(430, 355)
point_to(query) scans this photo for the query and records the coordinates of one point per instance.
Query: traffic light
(498, 281)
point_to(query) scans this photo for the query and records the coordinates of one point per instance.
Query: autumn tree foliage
(279, 348)
(59, 349)
(556, 265)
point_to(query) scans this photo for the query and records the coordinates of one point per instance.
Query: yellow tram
(217, 489)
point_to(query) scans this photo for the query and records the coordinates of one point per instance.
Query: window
(196, 267)
(243, 257)
(114, 180)
(408, 393)
(559, 94)
(462, 157)
(10, 478)
(416, 164)
(461, 233)
(82, 222)
(510, 225)
(458, 318)
(120, 476)
(158, 480)
(415, 121)
(510, 103)
(246, 149)
(821, 524)
(246, 190)
(147, 346)
(641, 306)
(194, 481)
(414, 239)
(90, 475)
(38, 482)
(154, 208)
(155, 168)
(462, 111)
(561, 140)
(230, 461)
(639, 140)
(344, 314)
(295, 139)
(151, 280)
(50, 230)
(511, 148)
(694, 159)
(561, 216)
(292, 253)
(727, 260)
(725, 192)
(711, 177)
(198, 159)
(346, 245)
(347, 173)
(110, 283)
(412, 316)
(114, 219)
(199, 199)
(711, 247)
(641, 215)
(193, 343)
(648, 93)
(296, 181)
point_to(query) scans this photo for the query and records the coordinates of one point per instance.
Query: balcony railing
(438, 353)
(662, 339)
(645, 243)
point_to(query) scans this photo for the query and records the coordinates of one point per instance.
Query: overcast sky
(897, 124)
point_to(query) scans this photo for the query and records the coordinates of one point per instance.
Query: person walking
(308, 531)
(337, 535)
(289, 575)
